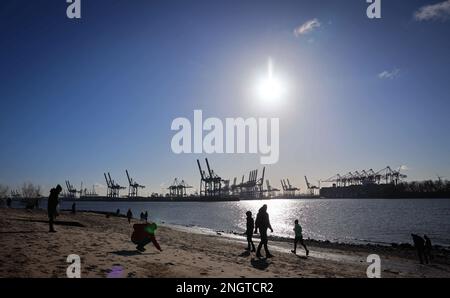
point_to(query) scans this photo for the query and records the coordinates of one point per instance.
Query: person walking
(51, 207)
(262, 223)
(249, 231)
(299, 238)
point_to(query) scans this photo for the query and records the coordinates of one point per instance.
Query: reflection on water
(353, 220)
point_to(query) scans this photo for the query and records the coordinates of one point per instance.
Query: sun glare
(270, 89)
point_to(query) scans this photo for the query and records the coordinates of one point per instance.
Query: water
(381, 221)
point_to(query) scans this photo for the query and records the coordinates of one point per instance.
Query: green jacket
(298, 230)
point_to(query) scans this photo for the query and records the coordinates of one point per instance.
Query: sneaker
(294, 252)
(307, 253)
(140, 248)
(258, 255)
(52, 231)
(269, 256)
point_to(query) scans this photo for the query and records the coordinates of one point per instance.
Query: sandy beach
(104, 245)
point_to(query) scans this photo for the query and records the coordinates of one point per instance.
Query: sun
(270, 89)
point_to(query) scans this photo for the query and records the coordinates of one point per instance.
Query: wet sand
(104, 245)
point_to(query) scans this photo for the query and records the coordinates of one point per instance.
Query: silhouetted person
(419, 244)
(299, 237)
(51, 207)
(117, 212)
(249, 231)
(143, 234)
(74, 208)
(146, 216)
(263, 223)
(8, 202)
(129, 215)
(428, 247)
(142, 216)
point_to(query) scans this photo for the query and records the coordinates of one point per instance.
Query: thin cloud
(433, 12)
(389, 74)
(404, 168)
(307, 27)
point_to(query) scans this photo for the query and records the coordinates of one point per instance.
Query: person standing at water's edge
(419, 244)
(428, 247)
(249, 231)
(263, 223)
(129, 215)
(51, 207)
(298, 238)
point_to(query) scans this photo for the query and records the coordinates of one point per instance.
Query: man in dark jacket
(263, 223)
(419, 244)
(51, 207)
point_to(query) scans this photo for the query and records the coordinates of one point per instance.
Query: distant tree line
(3, 191)
(28, 190)
(427, 186)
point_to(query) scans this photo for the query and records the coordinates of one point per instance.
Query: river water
(381, 221)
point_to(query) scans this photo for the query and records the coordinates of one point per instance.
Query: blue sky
(81, 97)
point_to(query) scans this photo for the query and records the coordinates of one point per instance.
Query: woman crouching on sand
(143, 234)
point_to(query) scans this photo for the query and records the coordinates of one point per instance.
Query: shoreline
(103, 243)
(233, 235)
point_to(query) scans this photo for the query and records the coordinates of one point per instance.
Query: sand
(105, 249)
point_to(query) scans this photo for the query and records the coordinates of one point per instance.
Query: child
(298, 238)
(249, 231)
(143, 234)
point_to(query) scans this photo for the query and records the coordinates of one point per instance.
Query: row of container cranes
(251, 186)
(383, 176)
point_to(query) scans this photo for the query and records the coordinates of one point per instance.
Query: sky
(81, 97)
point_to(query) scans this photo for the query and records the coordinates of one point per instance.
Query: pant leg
(51, 217)
(250, 243)
(425, 255)
(420, 254)
(258, 250)
(263, 235)
(302, 242)
(295, 243)
(144, 242)
(264, 241)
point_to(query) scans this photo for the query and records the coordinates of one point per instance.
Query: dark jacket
(262, 220)
(418, 241)
(250, 226)
(52, 201)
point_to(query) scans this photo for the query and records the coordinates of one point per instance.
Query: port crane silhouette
(113, 189)
(133, 186)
